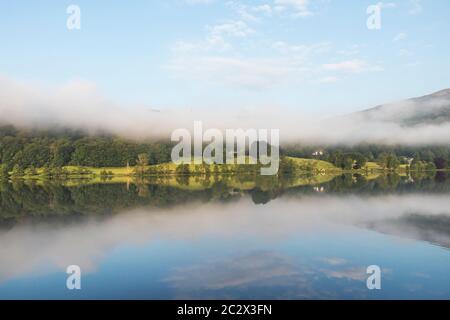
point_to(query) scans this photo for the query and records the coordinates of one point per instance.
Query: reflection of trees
(441, 177)
(262, 197)
(142, 190)
(388, 182)
(183, 180)
(20, 199)
(359, 184)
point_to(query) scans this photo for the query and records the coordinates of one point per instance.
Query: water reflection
(72, 200)
(310, 239)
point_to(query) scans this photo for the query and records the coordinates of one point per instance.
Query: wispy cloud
(415, 7)
(352, 66)
(399, 37)
(274, 8)
(222, 57)
(196, 2)
(231, 28)
(387, 5)
(300, 8)
(241, 73)
(283, 62)
(350, 51)
(329, 79)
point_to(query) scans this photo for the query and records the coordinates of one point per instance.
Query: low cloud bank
(80, 105)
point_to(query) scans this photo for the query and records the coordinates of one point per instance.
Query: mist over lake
(263, 241)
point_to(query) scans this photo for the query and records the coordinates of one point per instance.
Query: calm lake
(227, 237)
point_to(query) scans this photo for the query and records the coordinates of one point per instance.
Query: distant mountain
(429, 109)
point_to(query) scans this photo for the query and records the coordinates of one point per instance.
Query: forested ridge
(58, 148)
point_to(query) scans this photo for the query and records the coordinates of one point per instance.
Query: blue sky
(315, 56)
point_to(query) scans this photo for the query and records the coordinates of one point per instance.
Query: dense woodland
(388, 157)
(58, 148)
(25, 149)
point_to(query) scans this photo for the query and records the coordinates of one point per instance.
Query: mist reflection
(298, 245)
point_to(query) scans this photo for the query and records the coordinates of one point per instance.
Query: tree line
(28, 149)
(22, 150)
(387, 157)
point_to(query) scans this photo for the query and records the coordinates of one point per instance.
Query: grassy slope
(318, 165)
(373, 166)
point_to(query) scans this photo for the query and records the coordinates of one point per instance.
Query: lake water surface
(308, 238)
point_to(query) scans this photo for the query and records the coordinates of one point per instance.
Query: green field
(313, 165)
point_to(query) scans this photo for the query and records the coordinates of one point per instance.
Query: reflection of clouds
(421, 275)
(352, 273)
(25, 249)
(356, 273)
(258, 268)
(236, 277)
(334, 261)
(341, 270)
(429, 228)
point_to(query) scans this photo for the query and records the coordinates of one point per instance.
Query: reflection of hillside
(71, 199)
(432, 229)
